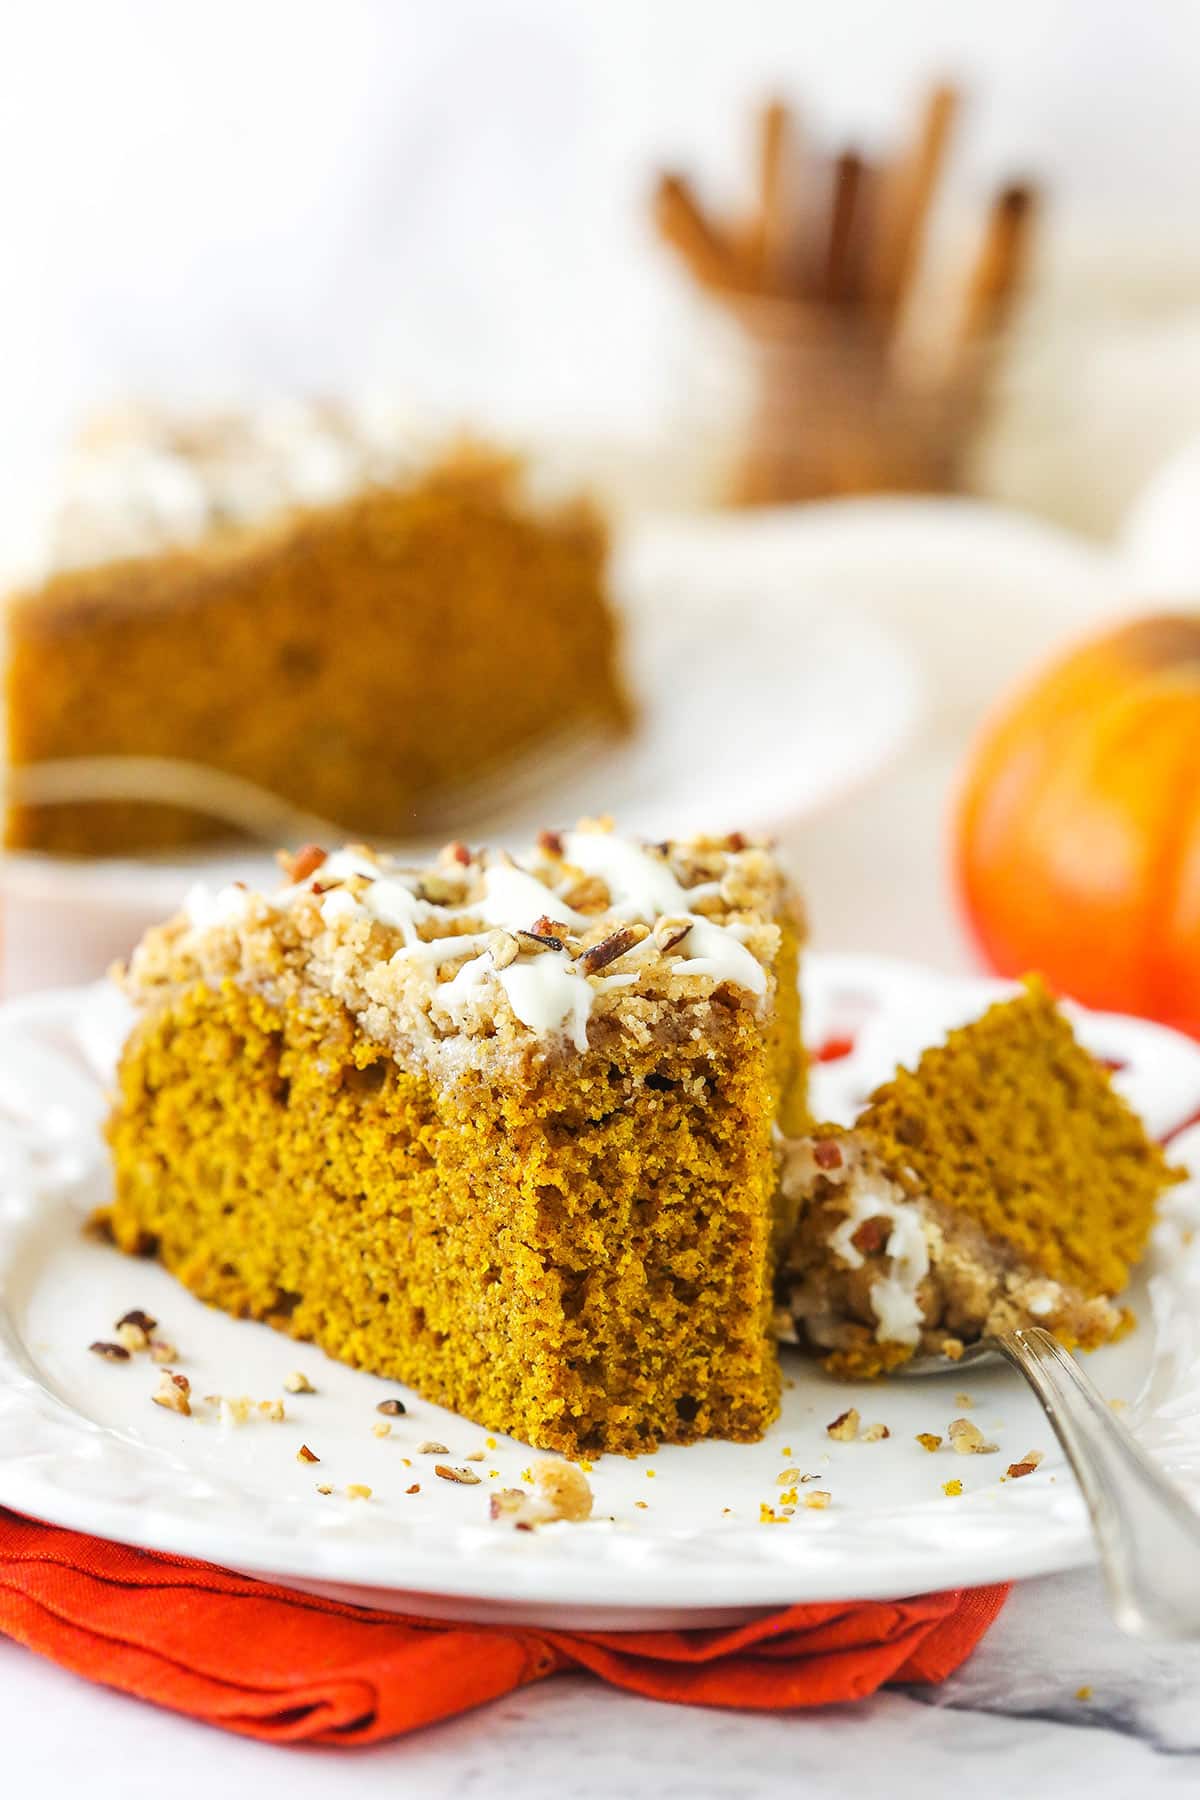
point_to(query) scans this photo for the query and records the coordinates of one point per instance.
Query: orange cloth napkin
(271, 1663)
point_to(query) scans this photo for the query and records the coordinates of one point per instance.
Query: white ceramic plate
(677, 1536)
(764, 693)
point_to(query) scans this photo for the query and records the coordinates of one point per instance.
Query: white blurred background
(444, 208)
(446, 204)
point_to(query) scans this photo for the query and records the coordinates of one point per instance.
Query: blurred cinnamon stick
(770, 236)
(994, 284)
(683, 224)
(855, 391)
(1000, 265)
(844, 222)
(909, 191)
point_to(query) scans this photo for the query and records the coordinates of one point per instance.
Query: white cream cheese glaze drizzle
(513, 899)
(894, 1295)
(641, 886)
(715, 950)
(205, 907)
(547, 992)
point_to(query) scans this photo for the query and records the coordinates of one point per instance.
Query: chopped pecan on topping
(735, 841)
(324, 887)
(431, 1447)
(610, 948)
(534, 942)
(110, 1352)
(670, 933)
(1026, 1466)
(136, 1317)
(545, 926)
(133, 1338)
(872, 1235)
(475, 1456)
(305, 1455)
(736, 891)
(414, 1489)
(458, 853)
(875, 1434)
(435, 890)
(586, 894)
(323, 1487)
(392, 1409)
(827, 1153)
(297, 1383)
(468, 1477)
(162, 1350)
(700, 871)
(845, 1426)
(968, 1440)
(551, 842)
(172, 1392)
(303, 862)
(504, 949)
(929, 1441)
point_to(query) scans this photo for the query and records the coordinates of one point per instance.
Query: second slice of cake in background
(1002, 1182)
(360, 634)
(505, 1130)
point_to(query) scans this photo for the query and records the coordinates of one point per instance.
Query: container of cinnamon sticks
(865, 377)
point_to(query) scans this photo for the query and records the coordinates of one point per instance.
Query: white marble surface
(572, 1739)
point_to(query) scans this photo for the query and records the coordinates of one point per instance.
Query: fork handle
(1148, 1533)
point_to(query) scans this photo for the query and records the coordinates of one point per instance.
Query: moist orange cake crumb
(504, 1130)
(361, 658)
(1003, 1182)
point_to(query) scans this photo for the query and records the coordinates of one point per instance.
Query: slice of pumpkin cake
(357, 631)
(1003, 1182)
(506, 1130)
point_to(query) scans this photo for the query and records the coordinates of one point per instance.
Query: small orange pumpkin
(1078, 831)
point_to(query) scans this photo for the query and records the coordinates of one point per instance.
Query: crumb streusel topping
(482, 954)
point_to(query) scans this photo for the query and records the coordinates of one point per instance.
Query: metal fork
(1147, 1531)
(506, 793)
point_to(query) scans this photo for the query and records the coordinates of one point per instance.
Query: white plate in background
(783, 657)
(761, 697)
